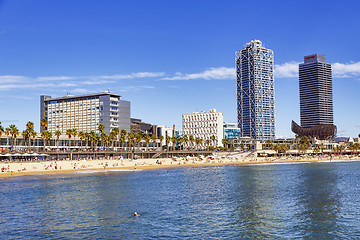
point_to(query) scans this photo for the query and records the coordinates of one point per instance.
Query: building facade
(85, 112)
(231, 131)
(315, 87)
(316, 102)
(255, 91)
(204, 125)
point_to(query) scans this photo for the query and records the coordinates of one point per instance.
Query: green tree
(185, 140)
(174, 139)
(207, 142)
(198, 141)
(138, 138)
(57, 134)
(45, 135)
(14, 132)
(147, 140)
(153, 139)
(44, 124)
(69, 134)
(101, 128)
(82, 137)
(225, 142)
(213, 139)
(123, 134)
(33, 135)
(103, 139)
(131, 139)
(191, 140)
(161, 139)
(303, 144)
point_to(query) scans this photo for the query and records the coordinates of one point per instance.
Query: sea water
(312, 201)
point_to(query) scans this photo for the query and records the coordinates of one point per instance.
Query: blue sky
(172, 57)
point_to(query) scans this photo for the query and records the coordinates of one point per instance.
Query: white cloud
(81, 90)
(209, 74)
(346, 70)
(12, 79)
(132, 75)
(56, 78)
(10, 82)
(287, 70)
(339, 70)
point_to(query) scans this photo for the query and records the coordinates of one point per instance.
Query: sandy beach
(57, 167)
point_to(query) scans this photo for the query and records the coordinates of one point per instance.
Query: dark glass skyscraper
(316, 102)
(315, 85)
(255, 91)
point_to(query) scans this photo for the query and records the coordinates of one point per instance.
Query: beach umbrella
(7, 154)
(17, 154)
(43, 154)
(34, 154)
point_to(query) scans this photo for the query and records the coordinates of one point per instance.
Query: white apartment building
(204, 125)
(85, 112)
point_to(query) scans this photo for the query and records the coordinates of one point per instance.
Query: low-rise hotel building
(204, 125)
(85, 112)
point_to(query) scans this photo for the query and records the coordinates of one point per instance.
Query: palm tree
(213, 138)
(113, 135)
(304, 144)
(207, 142)
(225, 142)
(147, 140)
(45, 135)
(115, 132)
(29, 128)
(103, 138)
(69, 134)
(57, 134)
(161, 139)
(2, 130)
(180, 141)
(82, 137)
(48, 136)
(191, 140)
(101, 128)
(87, 138)
(198, 142)
(74, 133)
(131, 139)
(92, 136)
(7, 133)
(33, 134)
(174, 139)
(138, 139)
(25, 135)
(185, 140)
(153, 139)
(123, 134)
(44, 123)
(168, 139)
(14, 132)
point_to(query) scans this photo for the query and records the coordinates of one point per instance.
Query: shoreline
(68, 167)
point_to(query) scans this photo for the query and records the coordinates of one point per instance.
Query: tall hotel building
(255, 91)
(85, 112)
(316, 102)
(204, 125)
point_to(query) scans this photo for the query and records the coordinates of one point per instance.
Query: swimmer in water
(136, 214)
